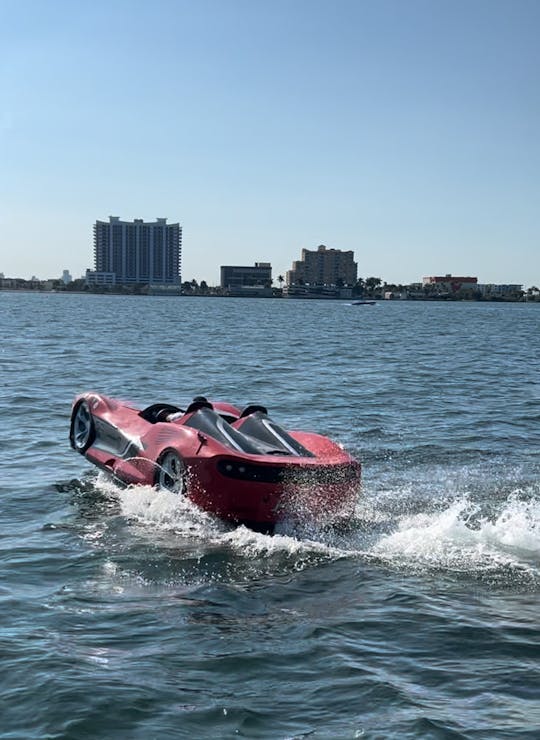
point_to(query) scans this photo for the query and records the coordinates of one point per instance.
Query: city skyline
(406, 133)
(30, 274)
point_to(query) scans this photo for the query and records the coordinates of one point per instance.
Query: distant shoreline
(377, 298)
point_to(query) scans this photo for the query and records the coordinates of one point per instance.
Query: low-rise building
(317, 291)
(489, 290)
(95, 277)
(395, 295)
(448, 283)
(241, 279)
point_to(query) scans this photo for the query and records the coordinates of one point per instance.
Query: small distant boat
(364, 303)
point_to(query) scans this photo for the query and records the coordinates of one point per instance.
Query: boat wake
(460, 538)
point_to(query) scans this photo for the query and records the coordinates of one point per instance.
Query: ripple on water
(127, 613)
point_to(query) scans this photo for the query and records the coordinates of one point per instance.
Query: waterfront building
(245, 279)
(136, 252)
(66, 277)
(317, 292)
(449, 283)
(98, 277)
(324, 266)
(510, 290)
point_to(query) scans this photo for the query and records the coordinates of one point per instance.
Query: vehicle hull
(226, 472)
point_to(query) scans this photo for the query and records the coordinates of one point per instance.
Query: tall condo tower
(130, 252)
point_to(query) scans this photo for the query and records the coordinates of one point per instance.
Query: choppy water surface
(131, 614)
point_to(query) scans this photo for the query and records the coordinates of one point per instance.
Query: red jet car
(238, 465)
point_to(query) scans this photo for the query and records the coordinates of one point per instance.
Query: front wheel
(83, 430)
(171, 472)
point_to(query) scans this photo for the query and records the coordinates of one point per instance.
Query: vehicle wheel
(171, 472)
(83, 430)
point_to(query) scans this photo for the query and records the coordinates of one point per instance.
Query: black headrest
(252, 409)
(196, 404)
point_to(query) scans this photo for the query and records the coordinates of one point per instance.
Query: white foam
(516, 530)
(254, 544)
(459, 537)
(164, 510)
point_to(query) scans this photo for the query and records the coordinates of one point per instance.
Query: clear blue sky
(407, 131)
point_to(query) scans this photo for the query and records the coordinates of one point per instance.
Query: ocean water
(132, 614)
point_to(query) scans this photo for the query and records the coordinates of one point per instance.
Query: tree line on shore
(370, 287)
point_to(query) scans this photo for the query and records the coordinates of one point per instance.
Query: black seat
(159, 412)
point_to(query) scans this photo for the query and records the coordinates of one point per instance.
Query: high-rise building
(131, 252)
(324, 267)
